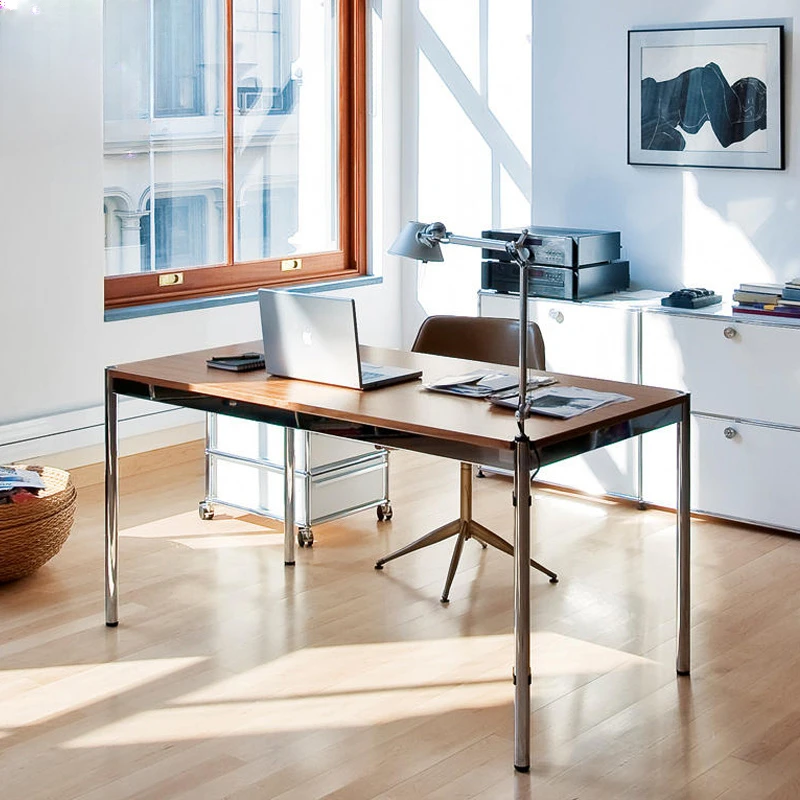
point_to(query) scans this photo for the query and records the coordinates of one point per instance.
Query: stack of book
(768, 299)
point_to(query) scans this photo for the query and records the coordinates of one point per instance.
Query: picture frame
(706, 97)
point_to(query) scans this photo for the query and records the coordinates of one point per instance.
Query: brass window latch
(170, 279)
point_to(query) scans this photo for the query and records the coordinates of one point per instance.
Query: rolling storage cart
(333, 476)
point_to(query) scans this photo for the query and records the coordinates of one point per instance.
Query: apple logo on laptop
(307, 338)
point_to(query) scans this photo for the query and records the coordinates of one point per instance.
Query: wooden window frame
(350, 260)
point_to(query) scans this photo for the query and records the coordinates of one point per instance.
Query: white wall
(455, 103)
(55, 343)
(680, 227)
(467, 153)
(466, 136)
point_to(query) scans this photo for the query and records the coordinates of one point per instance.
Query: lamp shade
(408, 245)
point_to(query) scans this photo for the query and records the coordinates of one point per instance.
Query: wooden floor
(231, 676)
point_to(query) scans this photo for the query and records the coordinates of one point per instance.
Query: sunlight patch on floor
(54, 691)
(588, 507)
(357, 686)
(222, 532)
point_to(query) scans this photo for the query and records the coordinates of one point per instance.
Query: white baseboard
(77, 437)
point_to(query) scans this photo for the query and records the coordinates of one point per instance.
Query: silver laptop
(315, 338)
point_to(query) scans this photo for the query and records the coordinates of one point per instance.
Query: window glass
(165, 138)
(285, 131)
(178, 238)
(234, 139)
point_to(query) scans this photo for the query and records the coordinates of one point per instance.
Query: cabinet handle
(729, 433)
(556, 315)
(729, 333)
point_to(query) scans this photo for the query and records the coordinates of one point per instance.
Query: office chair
(477, 339)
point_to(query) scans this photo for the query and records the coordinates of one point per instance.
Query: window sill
(179, 306)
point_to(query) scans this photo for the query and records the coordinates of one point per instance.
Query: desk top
(406, 407)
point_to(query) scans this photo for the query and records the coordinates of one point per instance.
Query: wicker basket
(32, 533)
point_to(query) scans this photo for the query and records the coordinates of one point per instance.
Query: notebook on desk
(313, 337)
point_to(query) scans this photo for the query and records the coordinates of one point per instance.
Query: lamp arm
(488, 244)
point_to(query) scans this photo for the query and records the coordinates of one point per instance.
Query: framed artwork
(706, 97)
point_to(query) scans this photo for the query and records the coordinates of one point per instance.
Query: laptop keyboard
(370, 375)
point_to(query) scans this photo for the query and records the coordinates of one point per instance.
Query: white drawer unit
(740, 470)
(745, 396)
(333, 476)
(598, 341)
(732, 368)
(744, 471)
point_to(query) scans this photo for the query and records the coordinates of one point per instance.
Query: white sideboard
(744, 379)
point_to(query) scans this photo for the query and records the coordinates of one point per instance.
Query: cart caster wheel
(305, 537)
(205, 510)
(384, 511)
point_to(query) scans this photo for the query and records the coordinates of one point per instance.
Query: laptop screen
(310, 337)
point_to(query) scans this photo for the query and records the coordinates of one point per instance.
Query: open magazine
(561, 401)
(484, 383)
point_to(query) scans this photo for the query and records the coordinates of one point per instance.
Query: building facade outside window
(234, 141)
(178, 40)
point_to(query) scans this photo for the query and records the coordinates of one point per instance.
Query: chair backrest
(479, 339)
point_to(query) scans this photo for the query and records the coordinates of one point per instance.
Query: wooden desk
(406, 416)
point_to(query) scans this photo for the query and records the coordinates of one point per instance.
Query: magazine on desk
(484, 383)
(561, 401)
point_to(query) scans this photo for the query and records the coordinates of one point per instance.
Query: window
(235, 140)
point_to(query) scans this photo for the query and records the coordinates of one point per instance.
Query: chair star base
(464, 528)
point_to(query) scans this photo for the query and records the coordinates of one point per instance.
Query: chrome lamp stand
(422, 242)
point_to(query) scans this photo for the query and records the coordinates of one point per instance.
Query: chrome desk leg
(112, 505)
(684, 542)
(288, 497)
(522, 604)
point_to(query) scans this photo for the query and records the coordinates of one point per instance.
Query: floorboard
(232, 676)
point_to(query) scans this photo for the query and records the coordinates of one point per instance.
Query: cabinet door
(733, 369)
(593, 341)
(596, 341)
(740, 470)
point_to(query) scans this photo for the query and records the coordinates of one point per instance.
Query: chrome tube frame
(683, 611)
(288, 497)
(522, 605)
(112, 504)
(522, 548)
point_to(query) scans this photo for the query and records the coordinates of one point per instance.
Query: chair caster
(554, 580)
(378, 565)
(305, 537)
(384, 511)
(205, 510)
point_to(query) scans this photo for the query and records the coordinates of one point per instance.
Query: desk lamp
(422, 242)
